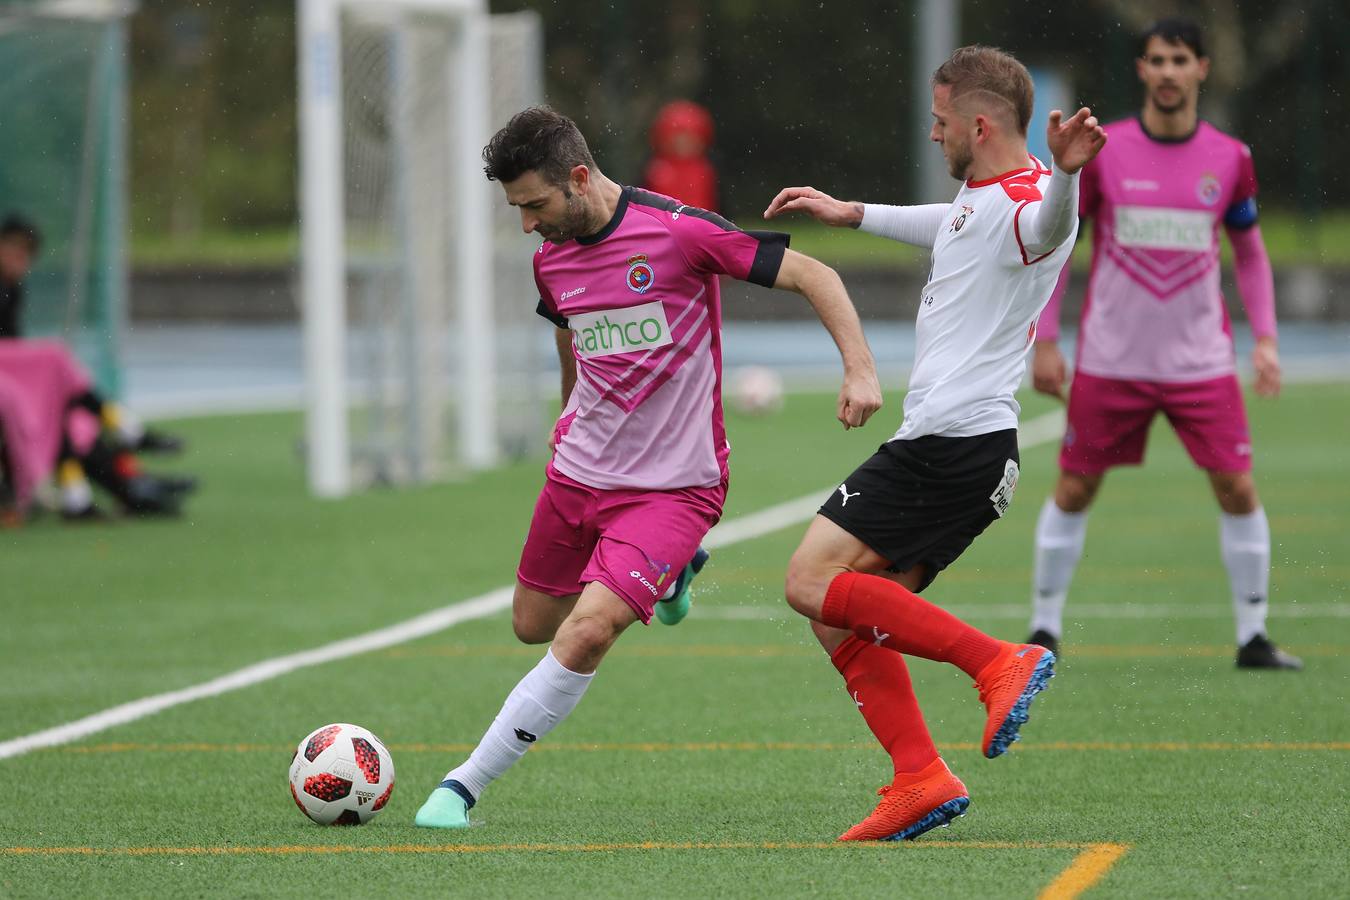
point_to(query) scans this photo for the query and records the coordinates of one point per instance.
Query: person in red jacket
(681, 136)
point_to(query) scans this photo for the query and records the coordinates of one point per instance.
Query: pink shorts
(634, 542)
(1109, 420)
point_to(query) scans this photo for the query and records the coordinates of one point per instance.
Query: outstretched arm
(917, 225)
(1073, 143)
(860, 395)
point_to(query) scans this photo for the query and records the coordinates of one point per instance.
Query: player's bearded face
(557, 213)
(1171, 74)
(571, 221)
(951, 131)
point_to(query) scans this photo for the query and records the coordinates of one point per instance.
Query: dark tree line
(815, 92)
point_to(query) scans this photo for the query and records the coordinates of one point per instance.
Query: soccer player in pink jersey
(639, 467)
(1155, 335)
(949, 472)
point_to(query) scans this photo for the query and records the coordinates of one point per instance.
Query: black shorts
(922, 501)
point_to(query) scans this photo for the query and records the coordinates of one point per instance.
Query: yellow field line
(772, 651)
(1087, 868)
(747, 746)
(317, 849)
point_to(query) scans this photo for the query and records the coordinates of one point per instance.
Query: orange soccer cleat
(912, 804)
(1007, 686)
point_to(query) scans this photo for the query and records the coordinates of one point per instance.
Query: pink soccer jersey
(642, 302)
(1154, 310)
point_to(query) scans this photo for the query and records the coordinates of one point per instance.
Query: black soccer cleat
(1260, 653)
(1042, 638)
(153, 441)
(145, 495)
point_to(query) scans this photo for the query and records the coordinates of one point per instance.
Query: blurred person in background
(54, 418)
(681, 136)
(1155, 336)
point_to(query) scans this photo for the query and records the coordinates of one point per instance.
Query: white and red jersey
(977, 318)
(1154, 310)
(642, 302)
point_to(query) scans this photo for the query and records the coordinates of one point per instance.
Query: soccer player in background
(910, 510)
(639, 467)
(1155, 335)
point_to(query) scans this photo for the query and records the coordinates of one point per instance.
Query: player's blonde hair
(993, 74)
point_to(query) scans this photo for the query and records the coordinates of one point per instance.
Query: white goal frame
(323, 289)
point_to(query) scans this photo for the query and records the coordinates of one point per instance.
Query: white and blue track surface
(175, 369)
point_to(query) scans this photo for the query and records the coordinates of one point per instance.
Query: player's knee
(1075, 493)
(529, 630)
(804, 587)
(1236, 493)
(582, 642)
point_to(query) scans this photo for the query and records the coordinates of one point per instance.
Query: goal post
(400, 252)
(63, 167)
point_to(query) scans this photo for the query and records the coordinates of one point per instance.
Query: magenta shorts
(1109, 420)
(634, 542)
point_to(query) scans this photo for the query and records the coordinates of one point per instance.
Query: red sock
(126, 466)
(882, 612)
(878, 681)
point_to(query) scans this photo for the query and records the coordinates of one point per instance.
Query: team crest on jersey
(960, 221)
(640, 274)
(1208, 189)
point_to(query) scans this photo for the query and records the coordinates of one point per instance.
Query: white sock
(129, 426)
(1059, 544)
(542, 699)
(1244, 543)
(76, 496)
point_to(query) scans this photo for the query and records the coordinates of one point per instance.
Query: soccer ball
(756, 391)
(341, 775)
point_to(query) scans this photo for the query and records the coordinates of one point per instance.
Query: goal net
(62, 151)
(416, 281)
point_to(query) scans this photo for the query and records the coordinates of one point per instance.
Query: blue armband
(1241, 215)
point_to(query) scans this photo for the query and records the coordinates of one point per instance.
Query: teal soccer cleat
(673, 611)
(447, 807)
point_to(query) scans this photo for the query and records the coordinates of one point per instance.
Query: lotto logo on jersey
(1161, 228)
(613, 331)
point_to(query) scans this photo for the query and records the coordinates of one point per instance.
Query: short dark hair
(16, 226)
(993, 72)
(1174, 31)
(538, 139)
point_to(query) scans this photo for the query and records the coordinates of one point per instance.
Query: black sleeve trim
(556, 318)
(768, 258)
(656, 201)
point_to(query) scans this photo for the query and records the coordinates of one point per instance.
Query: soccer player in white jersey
(1155, 335)
(908, 512)
(639, 467)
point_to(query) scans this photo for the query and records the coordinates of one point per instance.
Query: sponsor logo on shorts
(843, 491)
(613, 331)
(1162, 228)
(645, 583)
(1003, 494)
(661, 569)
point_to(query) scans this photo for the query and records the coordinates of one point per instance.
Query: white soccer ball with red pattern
(341, 775)
(756, 391)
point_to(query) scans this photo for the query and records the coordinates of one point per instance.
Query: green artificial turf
(718, 758)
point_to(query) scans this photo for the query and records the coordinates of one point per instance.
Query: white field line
(1040, 430)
